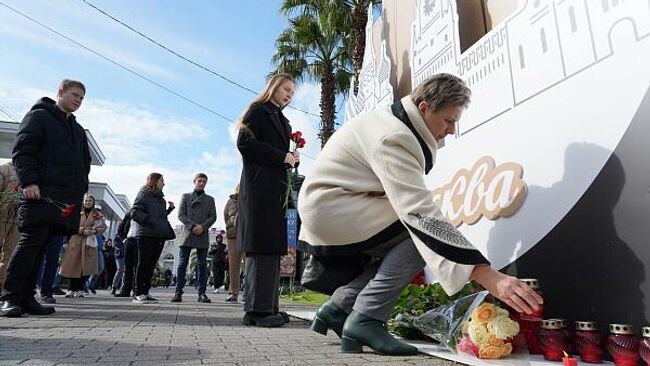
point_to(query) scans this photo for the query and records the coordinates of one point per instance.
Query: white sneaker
(216, 291)
(78, 294)
(141, 299)
(69, 294)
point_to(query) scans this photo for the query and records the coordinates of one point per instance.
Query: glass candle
(568, 335)
(588, 342)
(623, 345)
(552, 339)
(644, 346)
(538, 314)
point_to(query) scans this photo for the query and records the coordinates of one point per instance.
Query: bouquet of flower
(443, 323)
(298, 142)
(13, 193)
(489, 333)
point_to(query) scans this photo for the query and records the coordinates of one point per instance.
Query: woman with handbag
(150, 212)
(263, 141)
(80, 260)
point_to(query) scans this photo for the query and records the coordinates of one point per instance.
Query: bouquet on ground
(466, 324)
(297, 142)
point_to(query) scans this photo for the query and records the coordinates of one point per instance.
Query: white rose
(503, 327)
(478, 333)
(502, 312)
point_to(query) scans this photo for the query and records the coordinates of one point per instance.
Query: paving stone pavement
(104, 330)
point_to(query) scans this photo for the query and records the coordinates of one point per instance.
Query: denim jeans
(119, 273)
(201, 263)
(92, 281)
(50, 265)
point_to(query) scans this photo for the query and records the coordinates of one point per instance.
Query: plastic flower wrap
(467, 325)
(444, 323)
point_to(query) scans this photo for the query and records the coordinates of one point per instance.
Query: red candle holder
(538, 314)
(552, 339)
(623, 345)
(568, 336)
(644, 346)
(588, 342)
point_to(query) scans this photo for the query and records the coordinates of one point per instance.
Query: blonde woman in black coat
(261, 228)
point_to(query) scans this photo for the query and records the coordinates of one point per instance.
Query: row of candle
(552, 338)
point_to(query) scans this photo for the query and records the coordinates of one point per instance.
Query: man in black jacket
(52, 160)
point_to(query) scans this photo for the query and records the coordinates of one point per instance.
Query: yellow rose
(503, 327)
(494, 341)
(502, 312)
(506, 349)
(484, 313)
(490, 352)
(478, 333)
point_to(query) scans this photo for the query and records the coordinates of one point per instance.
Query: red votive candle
(644, 346)
(589, 342)
(623, 345)
(569, 361)
(538, 314)
(552, 339)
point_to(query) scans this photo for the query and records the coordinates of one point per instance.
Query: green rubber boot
(329, 316)
(360, 330)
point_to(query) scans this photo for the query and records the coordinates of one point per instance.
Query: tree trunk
(359, 20)
(327, 107)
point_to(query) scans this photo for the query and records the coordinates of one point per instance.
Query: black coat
(52, 152)
(150, 212)
(124, 226)
(261, 223)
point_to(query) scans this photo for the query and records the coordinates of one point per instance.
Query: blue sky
(140, 127)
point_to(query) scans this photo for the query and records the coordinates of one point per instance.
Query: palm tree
(355, 23)
(315, 46)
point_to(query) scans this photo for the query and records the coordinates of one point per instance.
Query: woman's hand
(290, 159)
(296, 156)
(87, 232)
(81, 231)
(508, 289)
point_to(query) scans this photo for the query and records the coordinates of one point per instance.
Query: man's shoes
(203, 298)
(123, 294)
(92, 291)
(232, 298)
(329, 316)
(70, 294)
(46, 299)
(151, 298)
(178, 297)
(266, 320)
(284, 316)
(360, 330)
(141, 299)
(31, 306)
(10, 309)
(57, 291)
(113, 291)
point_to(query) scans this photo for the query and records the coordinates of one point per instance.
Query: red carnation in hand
(67, 211)
(301, 143)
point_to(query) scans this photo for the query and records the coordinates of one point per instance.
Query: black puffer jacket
(51, 150)
(151, 215)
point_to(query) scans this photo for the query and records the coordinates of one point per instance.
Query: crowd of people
(365, 203)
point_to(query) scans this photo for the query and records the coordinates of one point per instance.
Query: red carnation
(67, 211)
(301, 142)
(15, 187)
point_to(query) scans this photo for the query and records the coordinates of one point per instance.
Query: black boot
(31, 306)
(10, 309)
(360, 330)
(123, 294)
(178, 297)
(113, 290)
(267, 320)
(329, 316)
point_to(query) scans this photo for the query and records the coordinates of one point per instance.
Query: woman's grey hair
(442, 90)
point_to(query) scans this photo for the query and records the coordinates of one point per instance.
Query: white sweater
(368, 187)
